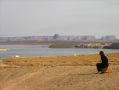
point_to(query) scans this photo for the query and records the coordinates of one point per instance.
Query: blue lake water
(38, 50)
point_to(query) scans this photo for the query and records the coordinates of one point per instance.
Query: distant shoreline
(62, 44)
(3, 49)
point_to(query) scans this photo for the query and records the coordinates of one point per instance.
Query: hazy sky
(65, 17)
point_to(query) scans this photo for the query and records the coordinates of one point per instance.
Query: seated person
(104, 63)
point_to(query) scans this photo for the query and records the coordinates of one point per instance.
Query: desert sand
(58, 73)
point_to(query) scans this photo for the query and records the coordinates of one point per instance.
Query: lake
(39, 50)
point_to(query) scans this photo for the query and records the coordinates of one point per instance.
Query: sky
(64, 17)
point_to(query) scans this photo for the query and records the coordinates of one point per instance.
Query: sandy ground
(15, 74)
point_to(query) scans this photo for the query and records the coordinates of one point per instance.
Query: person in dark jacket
(104, 62)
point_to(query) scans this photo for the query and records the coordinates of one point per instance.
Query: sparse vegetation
(113, 46)
(79, 60)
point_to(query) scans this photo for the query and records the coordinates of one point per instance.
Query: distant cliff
(57, 37)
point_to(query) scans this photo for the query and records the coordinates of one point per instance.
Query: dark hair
(101, 53)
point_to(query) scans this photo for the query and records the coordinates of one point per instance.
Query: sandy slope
(58, 78)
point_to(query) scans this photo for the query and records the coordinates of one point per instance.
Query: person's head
(101, 53)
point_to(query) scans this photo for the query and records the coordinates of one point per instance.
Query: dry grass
(79, 60)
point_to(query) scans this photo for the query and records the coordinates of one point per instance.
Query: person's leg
(102, 66)
(99, 67)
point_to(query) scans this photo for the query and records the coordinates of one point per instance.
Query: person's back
(104, 59)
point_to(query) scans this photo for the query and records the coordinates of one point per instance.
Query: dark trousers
(100, 66)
